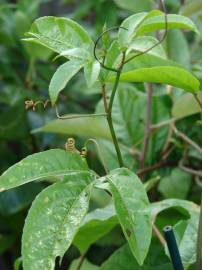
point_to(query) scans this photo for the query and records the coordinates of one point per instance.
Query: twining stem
(199, 242)
(110, 121)
(104, 97)
(108, 110)
(147, 124)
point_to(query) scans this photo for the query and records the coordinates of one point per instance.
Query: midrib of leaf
(51, 39)
(59, 173)
(55, 235)
(123, 204)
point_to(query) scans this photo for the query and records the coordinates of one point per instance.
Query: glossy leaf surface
(58, 34)
(174, 76)
(154, 23)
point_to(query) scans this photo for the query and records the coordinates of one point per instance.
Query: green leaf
(155, 23)
(143, 43)
(86, 265)
(42, 165)
(174, 76)
(109, 153)
(96, 224)
(134, 5)
(176, 185)
(186, 207)
(78, 53)
(87, 127)
(59, 34)
(112, 58)
(186, 235)
(132, 208)
(186, 105)
(62, 76)
(91, 72)
(128, 27)
(146, 68)
(53, 220)
(123, 259)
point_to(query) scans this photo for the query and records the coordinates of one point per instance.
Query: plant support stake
(173, 248)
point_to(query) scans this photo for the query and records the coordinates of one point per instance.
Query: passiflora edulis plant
(59, 215)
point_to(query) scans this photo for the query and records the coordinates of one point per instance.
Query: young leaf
(155, 23)
(59, 34)
(128, 27)
(96, 224)
(55, 162)
(53, 220)
(132, 208)
(62, 76)
(91, 72)
(170, 75)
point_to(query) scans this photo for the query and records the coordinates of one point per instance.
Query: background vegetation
(172, 164)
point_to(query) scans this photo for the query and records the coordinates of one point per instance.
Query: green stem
(199, 242)
(110, 122)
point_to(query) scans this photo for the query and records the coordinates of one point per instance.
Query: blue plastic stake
(173, 248)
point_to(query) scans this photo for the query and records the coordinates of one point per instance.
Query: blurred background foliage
(25, 73)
